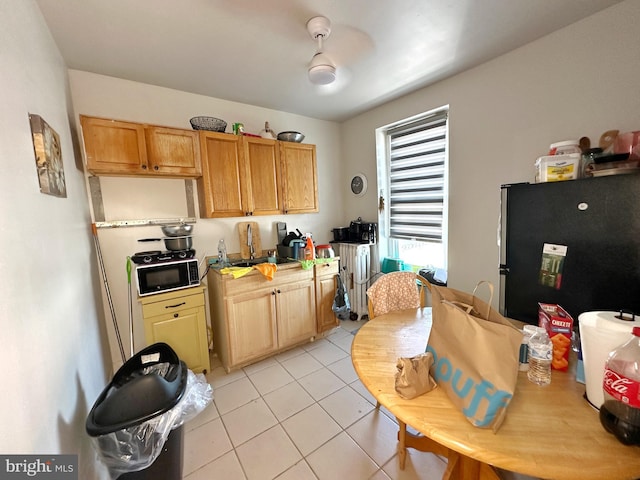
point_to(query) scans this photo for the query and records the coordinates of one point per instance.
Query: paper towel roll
(600, 333)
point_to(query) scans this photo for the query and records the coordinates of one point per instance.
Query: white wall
(52, 357)
(579, 81)
(109, 97)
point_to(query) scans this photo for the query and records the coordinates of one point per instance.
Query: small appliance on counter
(340, 234)
(159, 272)
(291, 245)
(357, 232)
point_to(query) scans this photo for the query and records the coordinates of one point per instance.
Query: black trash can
(132, 418)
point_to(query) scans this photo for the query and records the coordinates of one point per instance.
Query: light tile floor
(300, 415)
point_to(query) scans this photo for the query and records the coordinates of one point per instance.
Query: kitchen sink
(256, 261)
(248, 263)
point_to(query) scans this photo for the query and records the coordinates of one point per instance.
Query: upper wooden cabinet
(299, 177)
(115, 147)
(243, 175)
(173, 151)
(220, 189)
(262, 159)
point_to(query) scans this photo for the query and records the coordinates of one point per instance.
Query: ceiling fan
(322, 70)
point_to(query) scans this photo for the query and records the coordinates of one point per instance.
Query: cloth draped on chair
(394, 291)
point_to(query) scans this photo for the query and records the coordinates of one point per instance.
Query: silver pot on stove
(173, 243)
(178, 243)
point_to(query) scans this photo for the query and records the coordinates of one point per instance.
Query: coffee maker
(363, 232)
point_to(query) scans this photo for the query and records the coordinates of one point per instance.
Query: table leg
(459, 467)
(402, 443)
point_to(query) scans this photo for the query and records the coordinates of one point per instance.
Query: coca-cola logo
(615, 383)
(624, 389)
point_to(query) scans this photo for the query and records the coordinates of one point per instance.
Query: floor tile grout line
(279, 422)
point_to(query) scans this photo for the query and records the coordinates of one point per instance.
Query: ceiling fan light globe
(321, 70)
(322, 74)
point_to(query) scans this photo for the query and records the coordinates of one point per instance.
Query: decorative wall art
(46, 146)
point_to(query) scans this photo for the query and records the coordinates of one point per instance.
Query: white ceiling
(257, 51)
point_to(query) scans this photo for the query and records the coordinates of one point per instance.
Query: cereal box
(559, 326)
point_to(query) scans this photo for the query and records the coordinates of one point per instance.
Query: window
(412, 174)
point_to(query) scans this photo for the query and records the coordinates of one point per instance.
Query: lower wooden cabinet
(179, 320)
(252, 326)
(253, 318)
(295, 309)
(325, 289)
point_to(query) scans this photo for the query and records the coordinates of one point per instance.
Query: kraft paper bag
(412, 376)
(475, 353)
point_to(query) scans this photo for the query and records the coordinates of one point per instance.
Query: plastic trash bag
(341, 306)
(136, 448)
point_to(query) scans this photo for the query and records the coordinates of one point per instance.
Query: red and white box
(559, 326)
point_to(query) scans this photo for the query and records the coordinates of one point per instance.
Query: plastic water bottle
(620, 413)
(222, 253)
(540, 356)
(527, 332)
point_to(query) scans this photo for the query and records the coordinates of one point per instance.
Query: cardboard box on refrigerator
(559, 326)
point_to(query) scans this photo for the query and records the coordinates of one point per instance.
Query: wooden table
(549, 432)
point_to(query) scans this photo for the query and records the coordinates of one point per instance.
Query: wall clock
(359, 184)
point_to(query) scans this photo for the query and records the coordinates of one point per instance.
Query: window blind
(417, 154)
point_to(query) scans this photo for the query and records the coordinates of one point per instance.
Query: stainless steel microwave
(163, 277)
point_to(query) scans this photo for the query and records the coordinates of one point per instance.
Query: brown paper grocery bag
(475, 352)
(412, 376)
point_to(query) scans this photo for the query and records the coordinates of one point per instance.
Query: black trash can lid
(133, 396)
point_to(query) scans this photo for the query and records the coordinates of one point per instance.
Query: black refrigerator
(573, 243)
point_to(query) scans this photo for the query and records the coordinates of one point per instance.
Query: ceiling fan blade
(348, 45)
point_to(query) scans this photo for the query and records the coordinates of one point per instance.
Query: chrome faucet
(250, 242)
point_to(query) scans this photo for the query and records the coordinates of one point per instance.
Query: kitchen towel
(267, 269)
(237, 272)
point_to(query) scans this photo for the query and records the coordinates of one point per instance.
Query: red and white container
(565, 147)
(620, 413)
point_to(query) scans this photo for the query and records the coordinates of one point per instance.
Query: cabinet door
(185, 332)
(296, 313)
(252, 325)
(173, 152)
(262, 158)
(300, 177)
(220, 189)
(326, 285)
(113, 147)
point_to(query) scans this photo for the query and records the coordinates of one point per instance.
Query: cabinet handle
(156, 168)
(273, 293)
(176, 315)
(279, 291)
(144, 167)
(174, 306)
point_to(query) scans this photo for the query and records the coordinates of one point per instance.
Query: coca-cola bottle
(620, 413)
